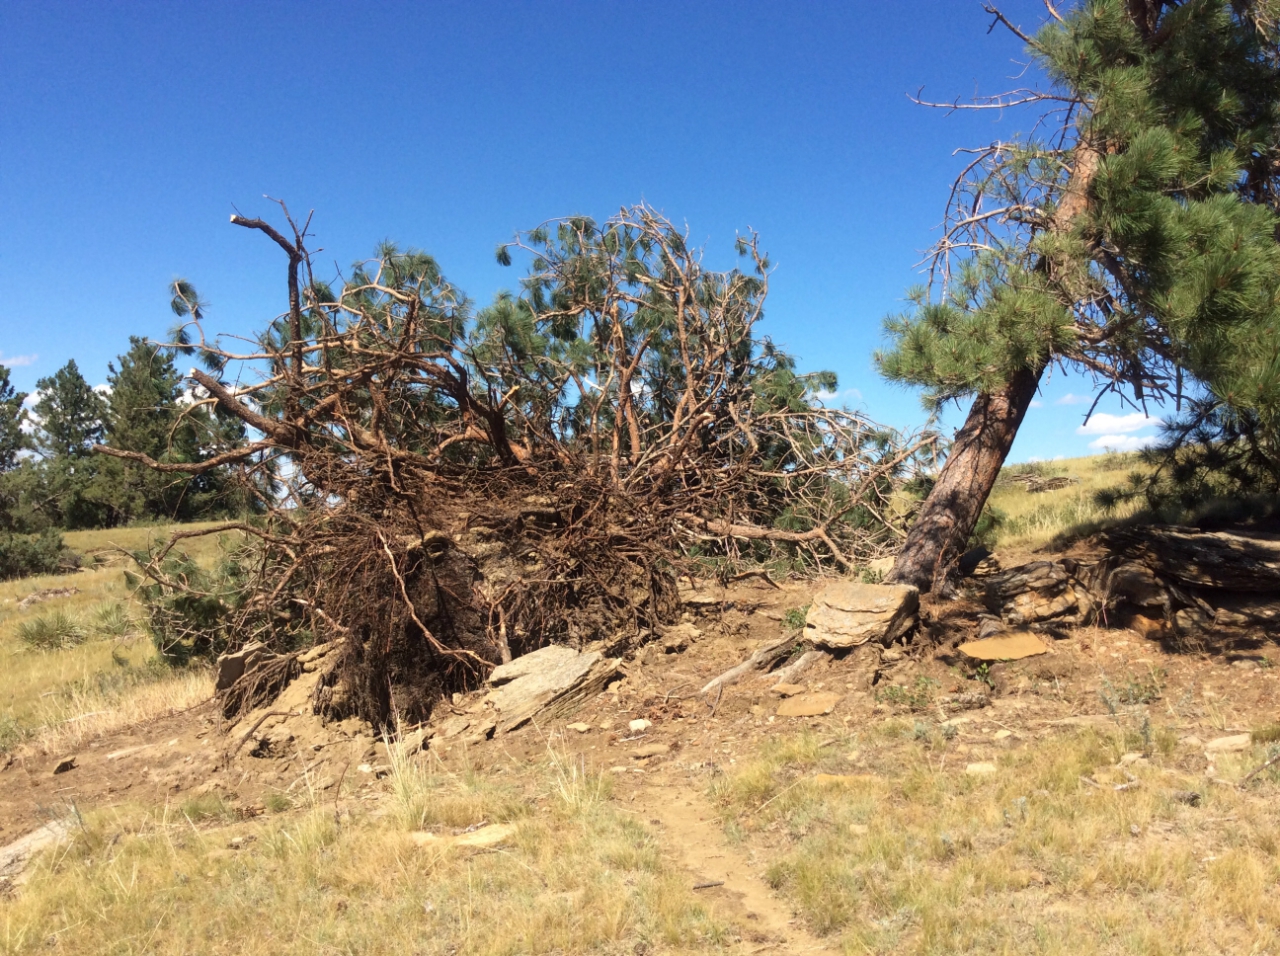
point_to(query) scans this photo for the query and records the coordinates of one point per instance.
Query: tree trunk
(950, 513)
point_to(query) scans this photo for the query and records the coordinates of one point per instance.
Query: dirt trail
(689, 831)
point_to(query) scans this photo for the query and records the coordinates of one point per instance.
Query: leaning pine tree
(1132, 236)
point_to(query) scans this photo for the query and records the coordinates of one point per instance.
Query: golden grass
(62, 697)
(922, 857)
(577, 877)
(1032, 520)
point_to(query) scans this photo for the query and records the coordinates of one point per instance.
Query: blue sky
(129, 132)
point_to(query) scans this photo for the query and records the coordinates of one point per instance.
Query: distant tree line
(50, 479)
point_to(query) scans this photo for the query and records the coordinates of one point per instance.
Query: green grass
(1031, 520)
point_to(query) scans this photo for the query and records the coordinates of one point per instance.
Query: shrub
(24, 555)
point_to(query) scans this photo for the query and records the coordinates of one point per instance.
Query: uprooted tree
(1131, 235)
(445, 490)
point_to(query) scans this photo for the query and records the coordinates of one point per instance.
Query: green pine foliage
(1173, 271)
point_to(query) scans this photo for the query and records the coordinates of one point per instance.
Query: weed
(794, 619)
(277, 802)
(54, 631)
(916, 698)
(1135, 691)
(1268, 734)
(111, 619)
(207, 806)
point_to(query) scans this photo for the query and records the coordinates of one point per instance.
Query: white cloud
(1036, 403)
(849, 393)
(18, 361)
(1104, 424)
(1121, 442)
(1069, 399)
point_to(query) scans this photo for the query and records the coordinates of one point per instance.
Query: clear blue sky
(130, 131)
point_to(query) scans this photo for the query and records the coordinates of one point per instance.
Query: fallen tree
(455, 489)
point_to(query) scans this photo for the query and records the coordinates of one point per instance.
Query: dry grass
(578, 877)
(921, 857)
(105, 677)
(1032, 520)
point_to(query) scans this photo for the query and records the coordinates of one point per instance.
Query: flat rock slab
(808, 705)
(549, 683)
(650, 750)
(1233, 744)
(788, 690)
(1006, 647)
(14, 856)
(848, 613)
(492, 835)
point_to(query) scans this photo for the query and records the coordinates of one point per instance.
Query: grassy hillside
(78, 665)
(1031, 519)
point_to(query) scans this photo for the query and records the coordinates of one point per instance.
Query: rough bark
(950, 513)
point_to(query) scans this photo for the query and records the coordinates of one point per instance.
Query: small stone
(650, 750)
(808, 705)
(980, 769)
(891, 655)
(957, 721)
(580, 727)
(65, 764)
(638, 725)
(365, 768)
(1192, 741)
(1232, 744)
(1134, 830)
(788, 690)
(1002, 735)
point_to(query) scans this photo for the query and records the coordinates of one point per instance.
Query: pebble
(650, 750)
(639, 724)
(1002, 735)
(580, 727)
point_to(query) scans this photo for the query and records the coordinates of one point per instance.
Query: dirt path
(689, 831)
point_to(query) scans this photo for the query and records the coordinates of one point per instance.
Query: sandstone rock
(1137, 585)
(1233, 744)
(492, 835)
(881, 566)
(846, 613)
(231, 667)
(676, 639)
(650, 750)
(990, 626)
(47, 594)
(1224, 618)
(1039, 591)
(808, 705)
(579, 727)
(787, 690)
(1150, 628)
(1006, 647)
(549, 683)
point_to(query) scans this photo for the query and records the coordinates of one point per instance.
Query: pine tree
(12, 416)
(1135, 240)
(70, 413)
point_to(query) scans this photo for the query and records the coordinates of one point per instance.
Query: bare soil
(1089, 675)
